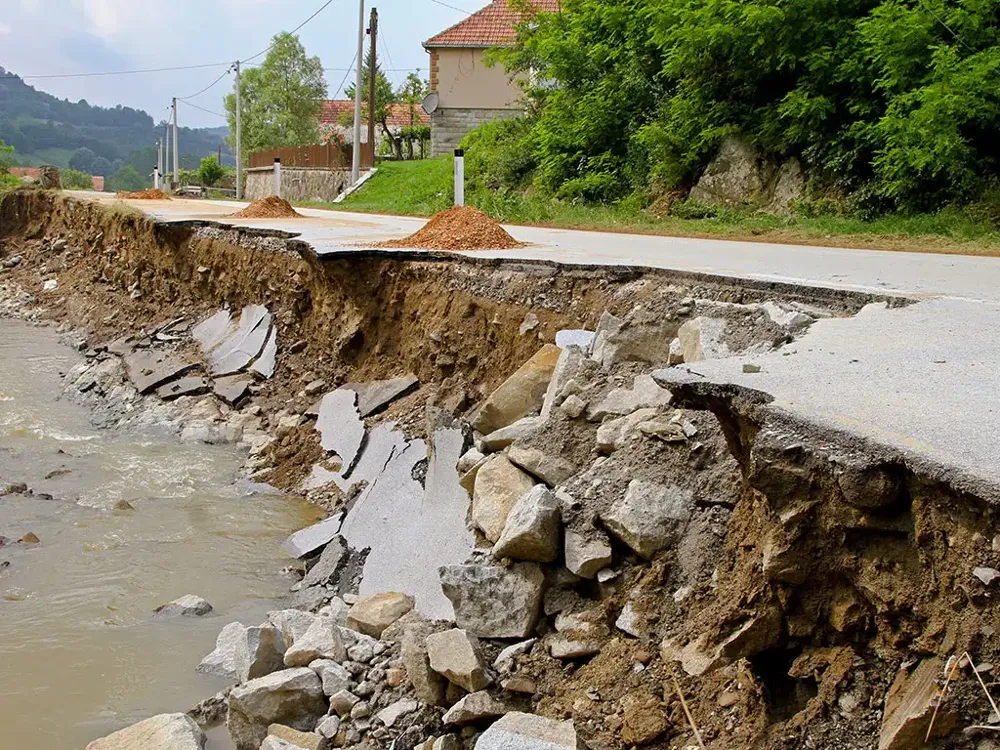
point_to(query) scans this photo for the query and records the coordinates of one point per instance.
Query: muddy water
(80, 655)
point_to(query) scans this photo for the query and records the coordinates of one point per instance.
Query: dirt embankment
(813, 590)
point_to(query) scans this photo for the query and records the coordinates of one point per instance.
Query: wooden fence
(323, 157)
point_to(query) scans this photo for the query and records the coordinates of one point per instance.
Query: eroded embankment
(802, 592)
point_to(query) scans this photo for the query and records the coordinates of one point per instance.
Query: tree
(128, 180)
(6, 161)
(101, 167)
(74, 179)
(82, 160)
(210, 171)
(411, 93)
(385, 98)
(281, 99)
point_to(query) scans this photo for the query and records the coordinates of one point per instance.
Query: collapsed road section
(542, 532)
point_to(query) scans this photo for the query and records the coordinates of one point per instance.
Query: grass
(422, 188)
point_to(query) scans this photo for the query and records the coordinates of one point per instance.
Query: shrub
(499, 154)
(74, 179)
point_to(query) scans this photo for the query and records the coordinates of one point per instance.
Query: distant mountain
(44, 129)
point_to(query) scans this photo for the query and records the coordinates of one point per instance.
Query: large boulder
(499, 485)
(650, 517)
(456, 655)
(735, 176)
(243, 653)
(532, 528)
(518, 731)
(492, 601)
(292, 697)
(374, 614)
(163, 732)
(520, 394)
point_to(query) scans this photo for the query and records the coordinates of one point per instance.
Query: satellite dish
(430, 103)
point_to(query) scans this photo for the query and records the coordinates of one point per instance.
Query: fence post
(156, 178)
(459, 177)
(277, 177)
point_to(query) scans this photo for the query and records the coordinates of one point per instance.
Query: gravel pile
(144, 195)
(271, 207)
(458, 228)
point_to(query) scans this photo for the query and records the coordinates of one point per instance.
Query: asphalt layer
(923, 379)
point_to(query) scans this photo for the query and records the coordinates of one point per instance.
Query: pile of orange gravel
(144, 195)
(458, 228)
(271, 207)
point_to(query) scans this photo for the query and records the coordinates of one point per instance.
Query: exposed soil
(458, 228)
(271, 207)
(144, 195)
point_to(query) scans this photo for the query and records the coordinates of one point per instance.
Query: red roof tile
(332, 111)
(33, 172)
(492, 26)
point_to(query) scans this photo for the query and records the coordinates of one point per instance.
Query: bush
(499, 154)
(74, 179)
(210, 171)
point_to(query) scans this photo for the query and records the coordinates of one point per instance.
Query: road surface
(923, 379)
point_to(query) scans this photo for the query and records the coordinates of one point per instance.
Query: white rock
(494, 601)
(321, 641)
(243, 653)
(293, 623)
(650, 517)
(587, 554)
(475, 707)
(391, 713)
(519, 731)
(163, 732)
(455, 654)
(551, 469)
(188, 605)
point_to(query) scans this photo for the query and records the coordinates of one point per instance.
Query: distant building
(337, 113)
(469, 92)
(32, 174)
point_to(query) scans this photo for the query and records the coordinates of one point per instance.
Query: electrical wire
(211, 85)
(346, 75)
(941, 21)
(209, 111)
(293, 31)
(460, 10)
(128, 72)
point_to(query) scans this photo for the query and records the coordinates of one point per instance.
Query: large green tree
(281, 99)
(385, 99)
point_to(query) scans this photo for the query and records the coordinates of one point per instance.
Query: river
(81, 654)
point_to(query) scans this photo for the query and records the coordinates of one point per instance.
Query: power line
(460, 10)
(341, 86)
(941, 21)
(293, 31)
(209, 111)
(213, 83)
(127, 72)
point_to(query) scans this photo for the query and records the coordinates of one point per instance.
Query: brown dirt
(271, 207)
(458, 228)
(144, 195)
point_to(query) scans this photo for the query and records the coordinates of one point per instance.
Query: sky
(47, 37)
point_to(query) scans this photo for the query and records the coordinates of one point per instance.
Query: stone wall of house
(298, 183)
(449, 126)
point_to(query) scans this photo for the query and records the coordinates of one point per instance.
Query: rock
(329, 727)
(506, 657)
(297, 738)
(499, 485)
(520, 731)
(551, 469)
(643, 719)
(376, 396)
(14, 488)
(587, 553)
(493, 601)
(428, 685)
(193, 386)
(702, 338)
(520, 394)
(148, 371)
(759, 633)
(122, 505)
(789, 186)
(163, 732)
(520, 684)
(573, 406)
(233, 348)
(305, 542)
(662, 429)
(475, 707)
(392, 713)
(734, 175)
(644, 336)
(562, 383)
(567, 338)
(361, 710)
(315, 388)
(909, 706)
(577, 636)
(50, 285)
(292, 697)
(188, 605)
(986, 575)
(455, 654)
(232, 389)
(749, 369)
(321, 641)
(30, 538)
(340, 427)
(335, 677)
(343, 702)
(374, 614)
(644, 394)
(330, 563)
(505, 436)
(650, 517)
(532, 529)
(243, 653)
(49, 179)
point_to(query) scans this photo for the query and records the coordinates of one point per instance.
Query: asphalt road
(923, 379)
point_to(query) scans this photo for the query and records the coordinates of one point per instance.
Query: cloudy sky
(47, 37)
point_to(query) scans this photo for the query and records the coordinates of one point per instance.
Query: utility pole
(356, 161)
(166, 147)
(239, 134)
(159, 156)
(372, 68)
(220, 154)
(177, 168)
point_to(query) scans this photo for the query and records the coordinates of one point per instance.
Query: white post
(239, 135)
(459, 177)
(166, 147)
(356, 161)
(277, 177)
(177, 168)
(156, 177)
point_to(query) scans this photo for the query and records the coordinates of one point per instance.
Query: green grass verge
(422, 188)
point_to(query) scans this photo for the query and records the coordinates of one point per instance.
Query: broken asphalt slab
(340, 427)
(148, 371)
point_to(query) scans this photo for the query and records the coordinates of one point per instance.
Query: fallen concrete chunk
(243, 653)
(532, 529)
(188, 605)
(330, 562)
(499, 485)
(305, 542)
(213, 331)
(374, 614)
(340, 427)
(232, 389)
(520, 394)
(193, 386)
(149, 371)
(493, 601)
(475, 707)
(292, 697)
(376, 396)
(519, 731)
(701, 338)
(644, 394)
(455, 654)
(650, 517)
(236, 352)
(505, 436)
(163, 732)
(551, 469)
(321, 641)
(268, 359)
(588, 553)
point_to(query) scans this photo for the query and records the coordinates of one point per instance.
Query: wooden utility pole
(372, 71)
(358, 96)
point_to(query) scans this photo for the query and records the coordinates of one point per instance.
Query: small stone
(188, 605)
(297, 738)
(343, 701)
(392, 713)
(394, 676)
(519, 684)
(986, 575)
(531, 531)
(29, 538)
(573, 407)
(587, 554)
(360, 710)
(749, 369)
(329, 727)
(475, 707)
(123, 505)
(551, 469)
(455, 654)
(373, 615)
(507, 656)
(315, 388)
(335, 676)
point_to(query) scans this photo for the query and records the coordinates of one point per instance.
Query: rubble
(373, 615)
(520, 394)
(163, 732)
(291, 697)
(649, 517)
(493, 601)
(531, 531)
(499, 485)
(519, 731)
(455, 655)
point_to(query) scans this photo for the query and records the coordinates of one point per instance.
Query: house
(468, 91)
(33, 174)
(337, 116)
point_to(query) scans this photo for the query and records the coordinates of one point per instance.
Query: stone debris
(376, 396)
(293, 623)
(148, 371)
(335, 676)
(493, 601)
(291, 697)
(233, 389)
(909, 706)
(305, 542)
(582, 339)
(193, 386)
(645, 393)
(553, 470)
(702, 338)
(532, 528)
(475, 707)
(456, 655)
(649, 517)
(163, 732)
(330, 563)
(321, 641)
(520, 394)
(373, 615)
(296, 738)
(243, 653)
(499, 485)
(613, 434)
(188, 605)
(986, 575)
(340, 427)
(587, 553)
(505, 436)
(506, 657)
(520, 731)
(392, 713)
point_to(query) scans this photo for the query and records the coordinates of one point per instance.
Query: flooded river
(80, 654)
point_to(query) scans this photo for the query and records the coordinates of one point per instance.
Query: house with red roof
(465, 92)
(337, 116)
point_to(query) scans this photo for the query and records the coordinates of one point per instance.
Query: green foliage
(74, 179)
(281, 99)
(6, 161)
(500, 154)
(893, 102)
(127, 179)
(210, 171)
